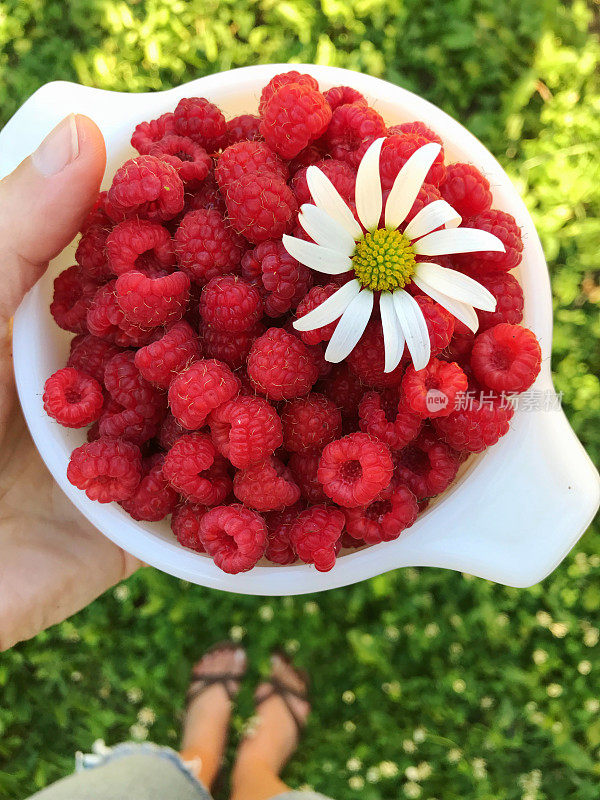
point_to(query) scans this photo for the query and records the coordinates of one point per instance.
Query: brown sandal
(281, 689)
(201, 682)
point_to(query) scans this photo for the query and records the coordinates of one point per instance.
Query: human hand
(52, 561)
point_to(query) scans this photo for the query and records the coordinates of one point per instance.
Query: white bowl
(511, 516)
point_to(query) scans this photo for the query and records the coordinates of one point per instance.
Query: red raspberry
(466, 189)
(315, 536)
(281, 279)
(193, 467)
(153, 498)
(267, 486)
(247, 157)
(310, 155)
(260, 206)
(506, 358)
(279, 548)
(345, 389)
(294, 116)
(130, 424)
(146, 134)
(208, 195)
(342, 95)
(234, 536)
(191, 161)
(91, 355)
(151, 301)
(388, 419)
(349, 542)
(91, 251)
(230, 304)
(170, 431)
(396, 151)
(145, 187)
(440, 323)
(316, 296)
(304, 468)
(139, 244)
(280, 366)
(74, 292)
(433, 390)
(354, 469)
(96, 215)
(106, 319)
(415, 127)
(107, 469)
(284, 78)
(509, 300)
(341, 174)
(246, 430)
(202, 121)
(427, 466)
(478, 424)
(505, 227)
(244, 128)
(367, 360)
(385, 519)
(72, 398)
(202, 387)
(206, 246)
(125, 384)
(350, 126)
(459, 349)
(310, 423)
(231, 348)
(159, 361)
(185, 524)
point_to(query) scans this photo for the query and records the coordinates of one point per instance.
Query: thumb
(43, 203)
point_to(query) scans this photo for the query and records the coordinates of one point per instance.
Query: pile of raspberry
(202, 402)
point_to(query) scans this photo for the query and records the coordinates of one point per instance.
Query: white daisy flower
(384, 260)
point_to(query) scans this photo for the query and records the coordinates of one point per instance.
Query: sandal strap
(201, 683)
(282, 690)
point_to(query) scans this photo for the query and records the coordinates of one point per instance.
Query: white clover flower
(409, 746)
(559, 629)
(356, 782)
(146, 716)
(373, 775)
(388, 769)
(76, 676)
(584, 667)
(590, 637)
(454, 755)
(459, 685)
(479, 768)
(134, 695)
(311, 607)
(592, 705)
(419, 735)
(349, 726)
(540, 657)
(412, 790)
(544, 618)
(554, 690)
(353, 764)
(121, 592)
(138, 731)
(486, 702)
(266, 613)
(384, 260)
(432, 630)
(348, 697)
(424, 770)
(411, 773)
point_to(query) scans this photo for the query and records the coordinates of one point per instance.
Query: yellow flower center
(384, 260)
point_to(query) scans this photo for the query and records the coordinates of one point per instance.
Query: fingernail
(58, 149)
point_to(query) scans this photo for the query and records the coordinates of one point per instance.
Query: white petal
(414, 328)
(325, 230)
(321, 259)
(367, 192)
(330, 309)
(459, 240)
(431, 217)
(327, 197)
(393, 338)
(408, 182)
(456, 285)
(350, 328)
(462, 311)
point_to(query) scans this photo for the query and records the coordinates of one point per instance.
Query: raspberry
(315, 536)
(170, 430)
(342, 95)
(388, 419)
(304, 468)
(246, 430)
(130, 424)
(91, 251)
(243, 128)
(139, 244)
(206, 246)
(193, 468)
(478, 425)
(202, 387)
(108, 469)
(433, 390)
(350, 126)
(310, 423)
(125, 384)
(345, 389)
(341, 174)
(416, 127)
(459, 349)
(247, 157)
(281, 279)
(283, 79)
(506, 358)
(231, 348)
(72, 398)
(427, 466)
(185, 524)
(260, 206)
(91, 355)
(396, 151)
(191, 161)
(367, 360)
(153, 498)
(279, 548)
(201, 121)
(96, 215)
(294, 116)
(440, 323)
(234, 536)
(385, 519)
(354, 469)
(316, 296)
(310, 155)
(207, 196)
(159, 361)
(505, 227)
(509, 300)
(145, 187)
(267, 486)
(146, 134)
(280, 366)
(151, 301)
(466, 189)
(106, 319)
(74, 292)
(230, 304)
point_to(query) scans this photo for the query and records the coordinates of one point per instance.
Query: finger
(43, 203)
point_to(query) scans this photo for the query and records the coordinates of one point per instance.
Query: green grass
(479, 691)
